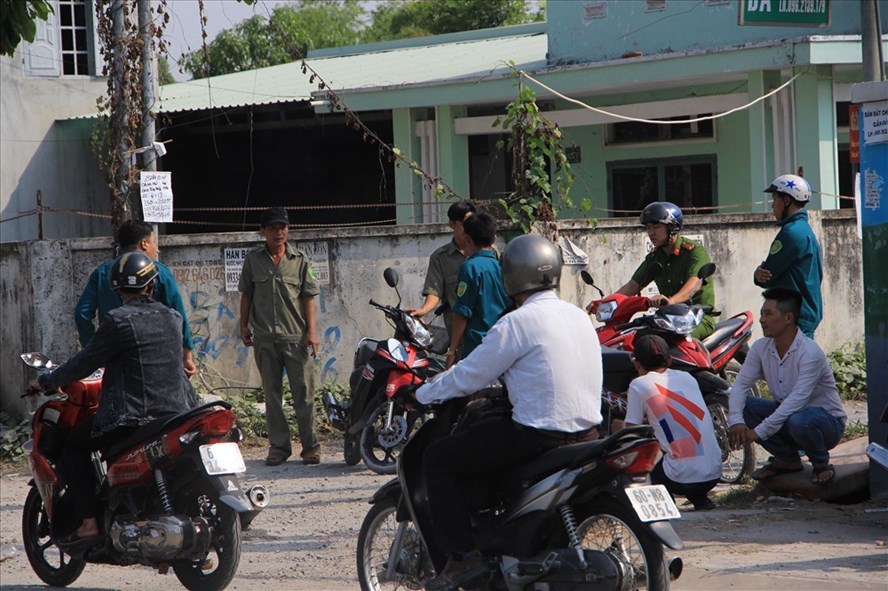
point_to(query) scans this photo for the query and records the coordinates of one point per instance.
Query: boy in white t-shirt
(671, 402)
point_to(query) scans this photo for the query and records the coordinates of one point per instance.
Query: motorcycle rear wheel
(218, 568)
(617, 531)
(50, 564)
(381, 446)
(378, 533)
(736, 464)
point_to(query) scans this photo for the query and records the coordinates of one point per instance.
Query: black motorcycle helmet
(663, 212)
(132, 271)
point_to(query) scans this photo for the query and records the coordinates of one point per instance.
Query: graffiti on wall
(213, 322)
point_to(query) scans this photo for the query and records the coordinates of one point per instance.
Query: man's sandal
(770, 470)
(818, 470)
(276, 458)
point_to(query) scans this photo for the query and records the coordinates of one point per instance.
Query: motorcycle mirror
(391, 276)
(37, 360)
(587, 279)
(706, 270)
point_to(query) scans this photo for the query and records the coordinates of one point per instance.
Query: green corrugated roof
(366, 72)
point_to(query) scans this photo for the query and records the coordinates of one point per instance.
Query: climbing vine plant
(541, 173)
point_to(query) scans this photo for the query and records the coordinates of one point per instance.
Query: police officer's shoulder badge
(461, 289)
(687, 244)
(776, 247)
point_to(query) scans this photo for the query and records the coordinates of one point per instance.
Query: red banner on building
(854, 129)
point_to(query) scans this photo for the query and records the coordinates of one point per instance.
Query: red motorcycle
(169, 495)
(375, 427)
(711, 361)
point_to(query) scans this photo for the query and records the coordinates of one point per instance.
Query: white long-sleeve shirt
(801, 379)
(548, 354)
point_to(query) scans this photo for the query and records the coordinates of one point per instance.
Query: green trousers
(272, 359)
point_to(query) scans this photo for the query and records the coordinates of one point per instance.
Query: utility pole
(121, 209)
(871, 41)
(146, 32)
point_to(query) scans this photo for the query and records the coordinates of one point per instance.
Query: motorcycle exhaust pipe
(675, 566)
(258, 495)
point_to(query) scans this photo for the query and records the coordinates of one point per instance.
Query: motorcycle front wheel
(736, 464)
(216, 570)
(616, 530)
(381, 566)
(351, 450)
(54, 567)
(381, 442)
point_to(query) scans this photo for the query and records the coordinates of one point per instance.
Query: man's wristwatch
(451, 351)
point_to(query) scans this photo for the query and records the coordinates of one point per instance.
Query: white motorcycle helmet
(792, 185)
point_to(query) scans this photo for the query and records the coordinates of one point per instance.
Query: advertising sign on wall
(785, 13)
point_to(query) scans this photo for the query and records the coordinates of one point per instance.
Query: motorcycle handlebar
(393, 313)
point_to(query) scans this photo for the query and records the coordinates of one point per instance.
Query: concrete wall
(40, 282)
(39, 154)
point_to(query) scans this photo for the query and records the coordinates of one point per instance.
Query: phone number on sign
(186, 275)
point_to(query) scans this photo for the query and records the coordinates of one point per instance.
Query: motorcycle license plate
(222, 458)
(652, 503)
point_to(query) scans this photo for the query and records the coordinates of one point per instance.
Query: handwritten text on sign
(156, 189)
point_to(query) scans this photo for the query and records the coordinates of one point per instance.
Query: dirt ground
(305, 540)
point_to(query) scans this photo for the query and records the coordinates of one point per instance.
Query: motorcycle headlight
(681, 324)
(418, 332)
(605, 311)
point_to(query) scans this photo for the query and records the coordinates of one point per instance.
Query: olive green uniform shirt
(276, 308)
(443, 276)
(679, 265)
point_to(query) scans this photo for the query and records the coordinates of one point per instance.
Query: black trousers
(78, 465)
(695, 492)
(451, 464)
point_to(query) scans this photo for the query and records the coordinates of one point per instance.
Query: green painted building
(689, 61)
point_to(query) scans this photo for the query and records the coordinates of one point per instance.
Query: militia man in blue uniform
(794, 260)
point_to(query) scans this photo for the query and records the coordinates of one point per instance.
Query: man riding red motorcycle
(680, 260)
(140, 347)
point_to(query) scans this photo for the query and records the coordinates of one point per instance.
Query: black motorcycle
(581, 516)
(375, 427)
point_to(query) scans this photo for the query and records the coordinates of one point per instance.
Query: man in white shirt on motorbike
(550, 359)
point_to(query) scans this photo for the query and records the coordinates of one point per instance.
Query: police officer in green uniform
(680, 258)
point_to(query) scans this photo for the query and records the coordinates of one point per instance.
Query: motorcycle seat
(155, 428)
(571, 455)
(723, 330)
(616, 360)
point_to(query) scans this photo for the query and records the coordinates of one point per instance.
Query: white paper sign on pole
(234, 264)
(156, 189)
